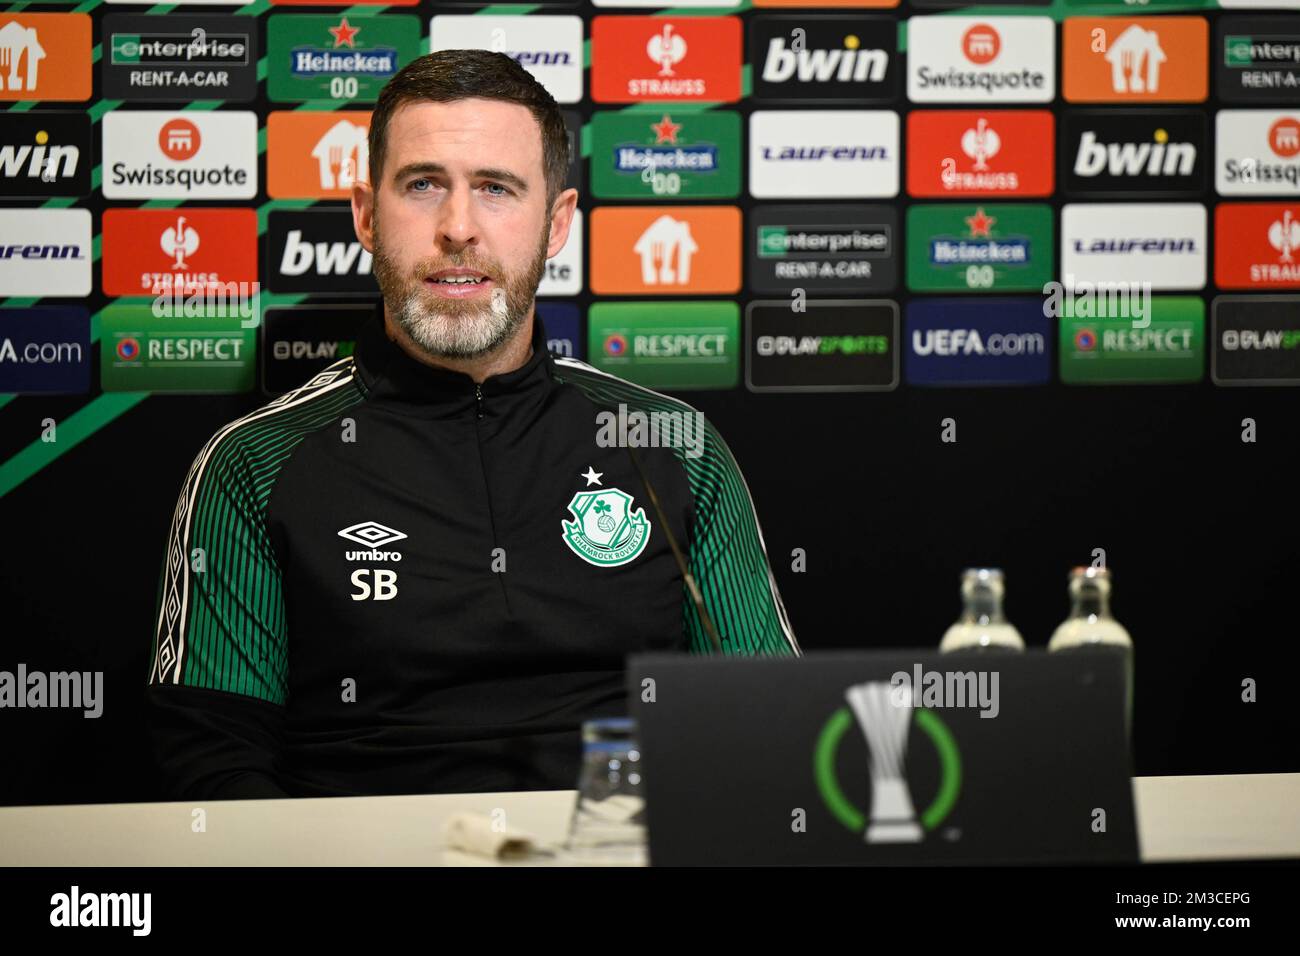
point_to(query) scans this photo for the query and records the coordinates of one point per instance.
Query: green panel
(666, 155)
(306, 62)
(950, 248)
(140, 351)
(1106, 349)
(667, 344)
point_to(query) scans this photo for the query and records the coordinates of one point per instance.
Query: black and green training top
(391, 580)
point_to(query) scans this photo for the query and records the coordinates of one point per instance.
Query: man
(423, 569)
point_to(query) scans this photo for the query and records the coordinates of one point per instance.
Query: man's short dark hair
(450, 75)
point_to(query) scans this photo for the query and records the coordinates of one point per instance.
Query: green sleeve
(729, 562)
(220, 617)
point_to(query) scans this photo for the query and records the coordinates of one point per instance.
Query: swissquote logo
(158, 154)
(605, 531)
(1258, 153)
(885, 714)
(981, 59)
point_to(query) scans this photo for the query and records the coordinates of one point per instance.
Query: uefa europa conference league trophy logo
(885, 714)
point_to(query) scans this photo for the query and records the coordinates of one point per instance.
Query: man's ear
(363, 214)
(561, 219)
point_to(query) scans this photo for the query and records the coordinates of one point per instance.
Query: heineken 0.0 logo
(606, 531)
(885, 714)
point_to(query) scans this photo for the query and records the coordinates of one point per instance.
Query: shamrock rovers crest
(605, 530)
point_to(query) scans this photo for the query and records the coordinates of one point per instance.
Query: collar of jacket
(395, 379)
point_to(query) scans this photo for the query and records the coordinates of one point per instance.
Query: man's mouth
(458, 283)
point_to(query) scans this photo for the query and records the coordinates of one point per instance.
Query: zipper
(487, 487)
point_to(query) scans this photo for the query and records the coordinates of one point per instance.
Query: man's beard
(452, 328)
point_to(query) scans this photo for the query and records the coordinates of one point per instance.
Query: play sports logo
(1256, 340)
(981, 59)
(953, 153)
(1258, 153)
(837, 345)
(165, 154)
(1135, 59)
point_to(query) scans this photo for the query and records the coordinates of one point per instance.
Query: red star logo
(344, 33)
(665, 131)
(979, 223)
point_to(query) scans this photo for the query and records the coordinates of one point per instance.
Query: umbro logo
(371, 533)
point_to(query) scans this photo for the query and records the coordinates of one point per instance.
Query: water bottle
(982, 625)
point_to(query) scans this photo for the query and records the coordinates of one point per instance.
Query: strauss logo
(666, 48)
(180, 240)
(981, 143)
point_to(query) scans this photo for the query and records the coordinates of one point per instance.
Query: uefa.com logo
(884, 714)
(211, 300)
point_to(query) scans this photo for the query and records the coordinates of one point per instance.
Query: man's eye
(418, 185)
(503, 190)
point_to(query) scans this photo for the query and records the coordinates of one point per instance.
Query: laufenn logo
(102, 909)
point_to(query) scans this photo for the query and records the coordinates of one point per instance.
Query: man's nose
(457, 225)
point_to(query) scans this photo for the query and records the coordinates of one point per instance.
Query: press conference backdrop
(861, 210)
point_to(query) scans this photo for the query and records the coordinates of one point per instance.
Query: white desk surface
(1229, 817)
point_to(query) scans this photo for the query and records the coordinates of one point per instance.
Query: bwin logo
(328, 258)
(44, 161)
(1157, 158)
(849, 64)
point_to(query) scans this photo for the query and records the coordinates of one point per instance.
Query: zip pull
(478, 397)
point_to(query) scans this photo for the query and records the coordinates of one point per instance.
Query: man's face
(458, 222)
